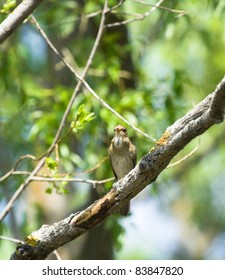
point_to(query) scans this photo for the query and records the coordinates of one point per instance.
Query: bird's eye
(124, 130)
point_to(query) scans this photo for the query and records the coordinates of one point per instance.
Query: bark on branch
(42, 242)
(17, 17)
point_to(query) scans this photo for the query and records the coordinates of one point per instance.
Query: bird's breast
(122, 164)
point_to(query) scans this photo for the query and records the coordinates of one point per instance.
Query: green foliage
(52, 165)
(150, 71)
(82, 117)
(59, 189)
(8, 6)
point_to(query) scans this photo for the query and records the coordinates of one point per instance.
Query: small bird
(123, 157)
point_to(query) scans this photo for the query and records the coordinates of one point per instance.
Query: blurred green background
(152, 71)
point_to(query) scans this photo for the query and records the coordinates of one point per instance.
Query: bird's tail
(124, 211)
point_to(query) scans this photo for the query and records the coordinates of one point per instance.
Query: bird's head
(120, 132)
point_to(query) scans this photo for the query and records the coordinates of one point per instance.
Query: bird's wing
(112, 167)
(135, 159)
(134, 156)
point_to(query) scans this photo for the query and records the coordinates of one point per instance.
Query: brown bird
(123, 157)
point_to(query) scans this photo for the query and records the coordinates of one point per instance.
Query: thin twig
(137, 18)
(56, 253)
(94, 167)
(21, 188)
(78, 180)
(120, 3)
(42, 178)
(87, 16)
(180, 12)
(60, 175)
(106, 105)
(10, 172)
(185, 157)
(19, 172)
(11, 239)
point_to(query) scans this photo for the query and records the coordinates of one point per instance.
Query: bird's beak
(118, 140)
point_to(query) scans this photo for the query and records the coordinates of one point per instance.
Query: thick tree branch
(17, 17)
(49, 237)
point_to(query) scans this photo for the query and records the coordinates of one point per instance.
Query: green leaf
(61, 189)
(52, 165)
(8, 6)
(82, 117)
(49, 190)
